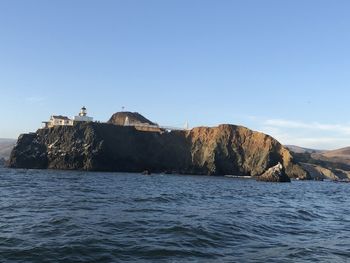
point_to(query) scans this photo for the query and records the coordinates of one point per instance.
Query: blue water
(60, 216)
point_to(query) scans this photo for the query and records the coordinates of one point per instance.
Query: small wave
(156, 199)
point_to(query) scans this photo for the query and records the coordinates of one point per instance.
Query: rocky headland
(320, 165)
(222, 150)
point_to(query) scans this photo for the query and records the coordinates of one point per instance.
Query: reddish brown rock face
(230, 149)
(222, 150)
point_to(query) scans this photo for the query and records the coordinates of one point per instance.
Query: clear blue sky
(281, 67)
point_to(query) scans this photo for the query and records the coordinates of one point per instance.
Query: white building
(83, 116)
(59, 120)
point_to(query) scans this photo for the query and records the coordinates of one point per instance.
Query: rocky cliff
(226, 149)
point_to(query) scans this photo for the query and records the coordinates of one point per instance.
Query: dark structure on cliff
(226, 149)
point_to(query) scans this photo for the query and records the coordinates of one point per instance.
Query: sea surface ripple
(64, 216)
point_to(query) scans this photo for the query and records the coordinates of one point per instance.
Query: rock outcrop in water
(222, 150)
(274, 174)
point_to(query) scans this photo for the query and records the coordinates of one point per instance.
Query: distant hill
(298, 149)
(336, 156)
(340, 156)
(339, 153)
(6, 146)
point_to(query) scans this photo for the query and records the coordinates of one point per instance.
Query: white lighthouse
(82, 116)
(83, 112)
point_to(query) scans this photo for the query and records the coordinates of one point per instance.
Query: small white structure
(187, 126)
(83, 116)
(59, 120)
(127, 122)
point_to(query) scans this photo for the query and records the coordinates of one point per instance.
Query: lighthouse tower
(82, 116)
(83, 112)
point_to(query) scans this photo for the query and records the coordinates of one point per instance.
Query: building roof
(60, 117)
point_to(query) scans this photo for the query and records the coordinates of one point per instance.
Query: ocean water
(62, 216)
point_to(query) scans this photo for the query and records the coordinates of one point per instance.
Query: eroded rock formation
(274, 174)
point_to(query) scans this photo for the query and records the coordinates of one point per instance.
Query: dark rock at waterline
(29, 152)
(226, 149)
